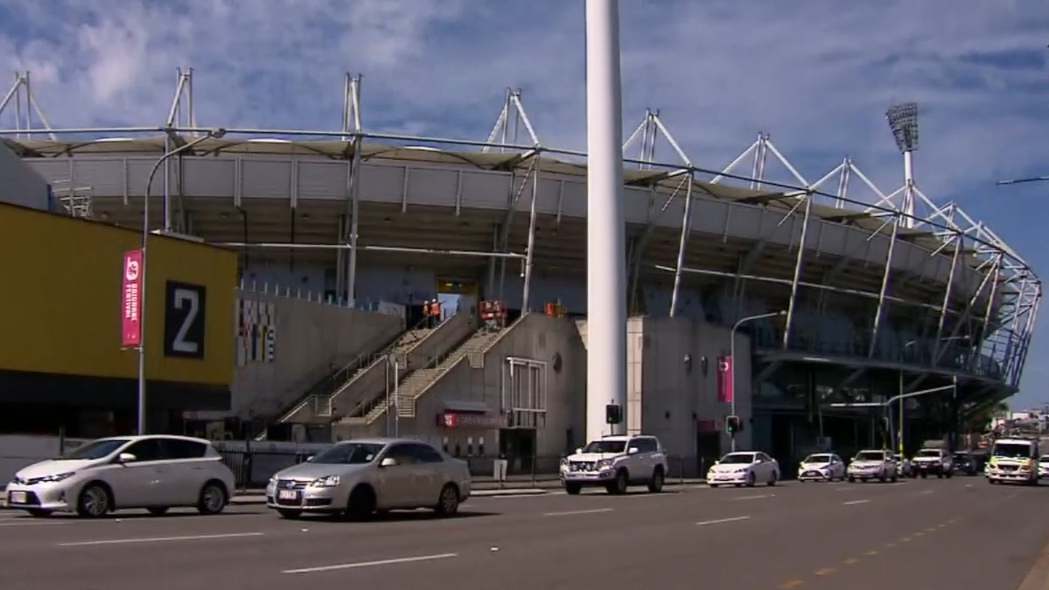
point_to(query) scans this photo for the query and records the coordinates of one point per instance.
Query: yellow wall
(60, 299)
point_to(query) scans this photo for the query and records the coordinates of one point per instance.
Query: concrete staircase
(415, 383)
(419, 381)
(321, 407)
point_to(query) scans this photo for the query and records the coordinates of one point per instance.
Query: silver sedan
(360, 477)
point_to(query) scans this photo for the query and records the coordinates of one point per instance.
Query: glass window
(424, 454)
(348, 453)
(177, 448)
(402, 453)
(738, 459)
(870, 456)
(1011, 450)
(96, 449)
(605, 446)
(147, 450)
(644, 445)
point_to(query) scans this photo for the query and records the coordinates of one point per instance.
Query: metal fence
(254, 467)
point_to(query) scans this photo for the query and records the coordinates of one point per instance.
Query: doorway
(708, 450)
(517, 446)
(456, 296)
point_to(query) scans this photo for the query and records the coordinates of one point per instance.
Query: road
(960, 534)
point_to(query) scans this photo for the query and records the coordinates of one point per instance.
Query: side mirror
(125, 458)
(310, 458)
(388, 462)
(717, 462)
(579, 451)
(632, 451)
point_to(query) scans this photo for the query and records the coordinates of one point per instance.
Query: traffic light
(613, 414)
(733, 425)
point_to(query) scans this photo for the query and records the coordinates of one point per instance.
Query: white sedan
(744, 468)
(821, 467)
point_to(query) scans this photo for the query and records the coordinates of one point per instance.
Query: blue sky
(817, 75)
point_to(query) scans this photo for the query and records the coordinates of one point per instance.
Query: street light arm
(754, 318)
(213, 134)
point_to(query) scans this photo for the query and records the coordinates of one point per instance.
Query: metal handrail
(343, 374)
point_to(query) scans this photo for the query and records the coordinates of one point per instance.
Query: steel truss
(1008, 280)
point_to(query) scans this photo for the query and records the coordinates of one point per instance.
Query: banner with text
(725, 383)
(131, 300)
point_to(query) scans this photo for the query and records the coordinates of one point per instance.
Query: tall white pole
(908, 190)
(605, 224)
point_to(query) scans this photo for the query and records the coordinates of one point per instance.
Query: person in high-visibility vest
(426, 313)
(435, 309)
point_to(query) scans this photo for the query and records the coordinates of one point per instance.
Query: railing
(952, 356)
(320, 391)
(253, 468)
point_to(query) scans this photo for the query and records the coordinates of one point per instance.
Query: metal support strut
(797, 272)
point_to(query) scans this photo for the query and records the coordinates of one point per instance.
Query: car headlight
(604, 463)
(51, 478)
(325, 482)
(740, 469)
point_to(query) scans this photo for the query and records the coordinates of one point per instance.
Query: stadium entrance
(456, 296)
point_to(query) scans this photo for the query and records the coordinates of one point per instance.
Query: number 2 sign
(184, 320)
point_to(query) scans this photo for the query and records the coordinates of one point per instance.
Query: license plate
(17, 498)
(287, 495)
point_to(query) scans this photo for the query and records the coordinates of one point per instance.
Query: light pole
(899, 425)
(141, 423)
(732, 360)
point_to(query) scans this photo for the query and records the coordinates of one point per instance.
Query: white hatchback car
(744, 468)
(359, 477)
(821, 467)
(154, 472)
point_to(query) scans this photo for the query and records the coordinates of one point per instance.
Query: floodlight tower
(605, 223)
(903, 121)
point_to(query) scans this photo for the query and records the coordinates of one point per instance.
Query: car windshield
(817, 459)
(870, 456)
(1043, 459)
(605, 446)
(348, 454)
(96, 449)
(1011, 450)
(738, 459)
(928, 453)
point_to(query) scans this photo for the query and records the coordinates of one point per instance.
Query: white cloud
(817, 74)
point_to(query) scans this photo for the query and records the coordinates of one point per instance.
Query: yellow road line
(791, 584)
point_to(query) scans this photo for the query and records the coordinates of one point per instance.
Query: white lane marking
(846, 489)
(32, 523)
(722, 520)
(160, 539)
(360, 564)
(574, 512)
(923, 492)
(854, 502)
(757, 497)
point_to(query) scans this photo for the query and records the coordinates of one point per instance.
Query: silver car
(151, 472)
(359, 477)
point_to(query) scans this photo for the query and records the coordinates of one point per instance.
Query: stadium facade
(862, 300)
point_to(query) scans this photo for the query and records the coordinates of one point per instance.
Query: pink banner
(131, 300)
(725, 384)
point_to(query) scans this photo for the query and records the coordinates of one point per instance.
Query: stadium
(842, 302)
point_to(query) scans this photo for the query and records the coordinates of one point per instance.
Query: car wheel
(852, 479)
(750, 479)
(212, 498)
(713, 485)
(361, 504)
(158, 510)
(289, 514)
(775, 477)
(39, 512)
(656, 485)
(573, 489)
(448, 503)
(619, 486)
(949, 474)
(893, 479)
(94, 501)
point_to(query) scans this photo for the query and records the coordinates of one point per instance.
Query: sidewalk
(481, 489)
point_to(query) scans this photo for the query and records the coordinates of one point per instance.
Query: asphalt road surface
(960, 534)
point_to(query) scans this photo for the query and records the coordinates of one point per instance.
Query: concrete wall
(674, 398)
(481, 381)
(20, 183)
(310, 341)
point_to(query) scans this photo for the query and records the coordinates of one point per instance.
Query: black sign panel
(184, 320)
